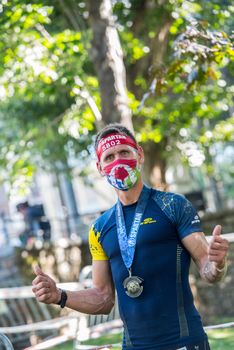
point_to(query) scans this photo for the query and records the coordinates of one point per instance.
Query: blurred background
(67, 68)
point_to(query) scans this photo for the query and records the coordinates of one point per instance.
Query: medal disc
(133, 286)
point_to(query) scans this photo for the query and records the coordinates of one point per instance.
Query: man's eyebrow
(125, 148)
(107, 155)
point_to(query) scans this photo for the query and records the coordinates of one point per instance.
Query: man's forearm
(90, 301)
(211, 273)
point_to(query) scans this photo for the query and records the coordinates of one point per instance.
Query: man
(36, 223)
(142, 247)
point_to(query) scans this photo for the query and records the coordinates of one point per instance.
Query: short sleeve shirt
(164, 314)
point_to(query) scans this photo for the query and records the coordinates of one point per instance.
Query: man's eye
(109, 157)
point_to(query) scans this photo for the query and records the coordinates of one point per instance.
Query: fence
(61, 227)
(25, 320)
(55, 324)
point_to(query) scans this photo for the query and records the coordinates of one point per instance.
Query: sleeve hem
(100, 259)
(189, 232)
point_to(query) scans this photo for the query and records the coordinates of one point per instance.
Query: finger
(43, 292)
(217, 231)
(217, 239)
(218, 246)
(213, 255)
(45, 298)
(214, 245)
(225, 242)
(216, 252)
(38, 271)
(219, 256)
(217, 259)
(41, 285)
(39, 279)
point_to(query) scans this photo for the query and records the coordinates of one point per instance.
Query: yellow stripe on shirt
(95, 247)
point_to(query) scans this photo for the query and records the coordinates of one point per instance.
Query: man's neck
(131, 196)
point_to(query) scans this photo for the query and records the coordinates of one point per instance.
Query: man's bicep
(102, 277)
(101, 271)
(197, 246)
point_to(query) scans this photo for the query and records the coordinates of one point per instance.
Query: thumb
(217, 231)
(37, 270)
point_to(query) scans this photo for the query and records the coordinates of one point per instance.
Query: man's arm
(209, 258)
(96, 300)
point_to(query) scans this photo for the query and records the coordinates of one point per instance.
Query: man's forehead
(117, 148)
(112, 140)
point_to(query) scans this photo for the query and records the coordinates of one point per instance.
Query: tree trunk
(151, 64)
(155, 165)
(107, 57)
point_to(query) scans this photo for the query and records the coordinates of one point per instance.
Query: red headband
(112, 141)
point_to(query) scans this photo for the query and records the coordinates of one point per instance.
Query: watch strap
(63, 299)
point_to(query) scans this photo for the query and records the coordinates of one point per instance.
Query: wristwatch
(63, 299)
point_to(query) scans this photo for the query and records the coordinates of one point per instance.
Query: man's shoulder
(179, 211)
(167, 197)
(104, 219)
(172, 204)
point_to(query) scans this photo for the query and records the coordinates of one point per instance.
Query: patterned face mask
(122, 173)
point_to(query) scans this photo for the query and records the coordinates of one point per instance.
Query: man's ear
(99, 168)
(141, 155)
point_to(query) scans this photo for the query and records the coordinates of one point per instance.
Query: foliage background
(179, 74)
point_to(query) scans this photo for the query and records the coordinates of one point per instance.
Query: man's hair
(113, 128)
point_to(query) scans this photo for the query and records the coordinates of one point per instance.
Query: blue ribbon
(127, 244)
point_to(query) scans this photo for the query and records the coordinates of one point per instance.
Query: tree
(45, 103)
(107, 56)
(178, 77)
(180, 82)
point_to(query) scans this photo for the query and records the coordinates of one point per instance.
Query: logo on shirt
(148, 221)
(196, 220)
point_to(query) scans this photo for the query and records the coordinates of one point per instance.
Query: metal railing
(61, 227)
(6, 342)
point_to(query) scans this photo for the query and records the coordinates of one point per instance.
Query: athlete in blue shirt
(142, 248)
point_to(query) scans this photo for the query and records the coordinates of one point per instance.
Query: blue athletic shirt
(164, 315)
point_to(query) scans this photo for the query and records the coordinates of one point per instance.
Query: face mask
(122, 173)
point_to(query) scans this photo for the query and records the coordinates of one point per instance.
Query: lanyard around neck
(127, 244)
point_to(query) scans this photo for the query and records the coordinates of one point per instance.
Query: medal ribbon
(128, 244)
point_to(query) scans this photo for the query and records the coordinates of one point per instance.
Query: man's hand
(218, 248)
(44, 288)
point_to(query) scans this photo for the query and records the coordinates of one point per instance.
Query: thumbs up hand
(44, 287)
(218, 248)
(37, 270)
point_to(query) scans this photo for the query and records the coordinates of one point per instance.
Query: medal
(133, 285)
(127, 243)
